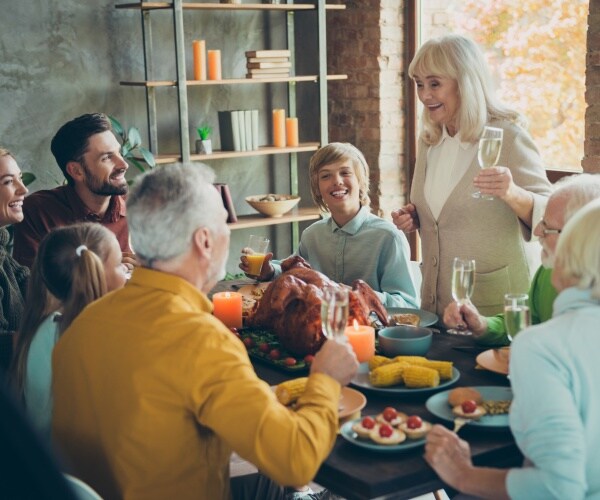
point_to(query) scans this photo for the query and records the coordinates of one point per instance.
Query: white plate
(351, 401)
(361, 380)
(438, 406)
(349, 435)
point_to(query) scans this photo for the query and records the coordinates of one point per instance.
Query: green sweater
(541, 301)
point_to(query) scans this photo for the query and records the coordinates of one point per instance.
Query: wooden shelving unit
(181, 84)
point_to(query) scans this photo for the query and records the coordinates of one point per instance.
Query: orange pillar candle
(227, 306)
(291, 132)
(362, 340)
(199, 47)
(214, 65)
(279, 128)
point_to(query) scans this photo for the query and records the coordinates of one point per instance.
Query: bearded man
(89, 157)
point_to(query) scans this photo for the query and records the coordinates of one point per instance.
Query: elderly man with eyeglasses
(570, 194)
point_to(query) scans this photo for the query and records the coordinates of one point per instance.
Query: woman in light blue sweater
(75, 265)
(555, 374)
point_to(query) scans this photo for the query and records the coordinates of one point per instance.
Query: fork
(459, 423)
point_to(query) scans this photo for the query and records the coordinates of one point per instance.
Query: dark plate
(427, 318)
(256, 338)
(349, 435)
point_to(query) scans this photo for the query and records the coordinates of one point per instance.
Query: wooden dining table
(357, 473)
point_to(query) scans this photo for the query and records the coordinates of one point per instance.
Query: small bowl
(273, 208)
(404, 340)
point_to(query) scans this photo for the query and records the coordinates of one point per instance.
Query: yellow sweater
(151, 394)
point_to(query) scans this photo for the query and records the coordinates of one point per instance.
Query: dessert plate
(495, 360)
(349, 435)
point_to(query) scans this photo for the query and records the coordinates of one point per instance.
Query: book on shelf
(264, 65)
(228, 130)
(258, 71)
(267, 59)
(248, 128)
(264, 76)
(227, 201)
(242, 130)
(268, 53)
(254, 120)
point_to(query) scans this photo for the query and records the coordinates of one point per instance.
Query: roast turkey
(291, 306)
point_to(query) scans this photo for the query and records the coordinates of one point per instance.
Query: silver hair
(165, 207)
(579, 190)
(578, 249)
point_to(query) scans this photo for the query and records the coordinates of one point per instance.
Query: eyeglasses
(546, 231)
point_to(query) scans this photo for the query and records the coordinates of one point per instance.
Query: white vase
(203, 147)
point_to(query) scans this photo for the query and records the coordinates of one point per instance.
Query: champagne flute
(334, 312)
(516, 313)
(463, 281)
(488, 153)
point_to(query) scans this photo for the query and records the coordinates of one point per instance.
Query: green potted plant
(131, 146)
(204, 144)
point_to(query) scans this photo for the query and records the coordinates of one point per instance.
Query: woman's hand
(459, 316)
(448, 455)
(498, 182)
(495, 181)
(406, 218)
(266, 271)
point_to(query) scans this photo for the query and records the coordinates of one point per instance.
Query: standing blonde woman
(77, 264)
(454, 85)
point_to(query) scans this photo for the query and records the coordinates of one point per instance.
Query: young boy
(352, 243)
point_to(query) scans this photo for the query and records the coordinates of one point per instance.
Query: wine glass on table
(334, 312)
(488, 153)
(463, 281)
(516, 313)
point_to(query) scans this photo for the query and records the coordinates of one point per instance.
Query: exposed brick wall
(365, 41)
(591, 158)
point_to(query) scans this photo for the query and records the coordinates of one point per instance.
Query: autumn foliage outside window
(536, 49)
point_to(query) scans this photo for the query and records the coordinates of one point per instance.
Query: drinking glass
(255, 253)
(516, 313)
(488, 153)
(334, 312)
(463, 281)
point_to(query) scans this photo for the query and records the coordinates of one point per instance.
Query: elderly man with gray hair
(570, 194)
(152, 393)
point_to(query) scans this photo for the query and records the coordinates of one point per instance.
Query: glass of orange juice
(256, 251)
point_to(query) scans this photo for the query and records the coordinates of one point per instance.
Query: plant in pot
(131, 146)
(204, 144)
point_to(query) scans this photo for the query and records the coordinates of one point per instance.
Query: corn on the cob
(289, 391)
(413, 360)
(444, 368)
(420, 376)
(377, 361)
(386, 375)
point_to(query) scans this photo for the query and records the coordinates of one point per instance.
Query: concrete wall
(59, 59)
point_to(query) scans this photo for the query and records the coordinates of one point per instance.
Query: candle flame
(227, 295)
(355, 324)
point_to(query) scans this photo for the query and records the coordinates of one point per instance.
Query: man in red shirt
(88, 154)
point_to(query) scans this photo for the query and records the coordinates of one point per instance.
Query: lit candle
(291, 132)
(279, 128)
(214, 64)
(199, 47)
(362, 340)
(227, 306)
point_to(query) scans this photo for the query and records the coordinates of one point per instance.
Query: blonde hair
(5, 152)
(333, 153)
(60, 273)
(460, 59)
(578, 249)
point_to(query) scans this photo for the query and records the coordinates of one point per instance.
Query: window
(536, 50)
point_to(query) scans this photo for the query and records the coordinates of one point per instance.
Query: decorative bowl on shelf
(273, 205)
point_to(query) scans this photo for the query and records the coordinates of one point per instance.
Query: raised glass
(516, 313)
(334, 312)
(488, 153)
(463, 282)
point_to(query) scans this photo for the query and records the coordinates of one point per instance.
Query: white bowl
(273, 208)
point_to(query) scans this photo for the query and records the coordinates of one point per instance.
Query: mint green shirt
(541, 303)
(367, 248)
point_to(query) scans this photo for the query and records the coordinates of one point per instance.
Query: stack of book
(268, 63)
(239, 130)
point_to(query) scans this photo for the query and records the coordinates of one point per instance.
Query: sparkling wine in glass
(463, 282)
(516, 313)
(334, 312)
(488, 153)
